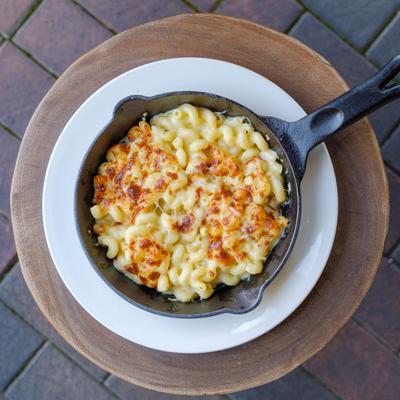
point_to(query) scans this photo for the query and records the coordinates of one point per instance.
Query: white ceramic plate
(282, 297)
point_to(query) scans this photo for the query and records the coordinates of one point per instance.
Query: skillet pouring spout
(299, 137)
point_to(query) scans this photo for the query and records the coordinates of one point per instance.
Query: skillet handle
(348, 108)
(299, 137)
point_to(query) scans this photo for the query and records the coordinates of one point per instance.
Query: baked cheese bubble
(189, 200)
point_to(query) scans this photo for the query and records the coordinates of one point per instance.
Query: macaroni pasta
(189, 201)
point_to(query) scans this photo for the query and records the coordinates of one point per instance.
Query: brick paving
(23, 83)
(121, 15)
(18, 342)
(40, 38)
(7, 246)
(394, 225)
(13, 13)
(126, 391)
(8, 155)
(357, 366)
(278, 15)
(352, 66)
(51, 375)
(65, 42)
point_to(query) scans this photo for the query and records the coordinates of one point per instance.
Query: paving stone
(385, 120)
(17, 344)
(351, 65)
(67, 31)
(297, 385)
(51, 375)
(380, 309)
(22, 85)
(11, 12)
(8, 154)
(396, 255)
(7, 245)
(14, 293)
(357, 20)
(394, 225)
(391, 150)
(121, 15)
(388, 43)
(126, 391)
(356, 366)
(278, 15)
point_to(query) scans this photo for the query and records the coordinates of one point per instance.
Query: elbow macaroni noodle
(189, 201)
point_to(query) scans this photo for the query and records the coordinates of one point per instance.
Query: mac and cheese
(189, 201)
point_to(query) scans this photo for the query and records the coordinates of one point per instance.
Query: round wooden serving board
(362, 225)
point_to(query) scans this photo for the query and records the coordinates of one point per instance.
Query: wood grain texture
(362, 225)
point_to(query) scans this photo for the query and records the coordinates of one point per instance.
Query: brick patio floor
(356, 36)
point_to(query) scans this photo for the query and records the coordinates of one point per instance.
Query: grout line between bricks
(310, 375)
(223, 396)
(386, 23)
(32, 58)
(99, 21)
(103, 383)
(4, 277)
(24, 366)
(216, 5)
(14, 259)
(373, 334)
(339, 35)
(391, 169)
(323, 384)
(396, 243)
(9, 131)
(4, 216)
(392, 260)
(114, 394)
(395, 263)
(109, 390)
(25, 17)
(65, 354)
(191, 5)
(105, 378)
(390, 134)
(295, 22)
(47, 339)
(30, 361)
(23, 319)
(9, 266)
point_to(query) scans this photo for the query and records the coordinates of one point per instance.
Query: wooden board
(362, 225)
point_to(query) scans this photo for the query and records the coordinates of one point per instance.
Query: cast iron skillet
(292, 141)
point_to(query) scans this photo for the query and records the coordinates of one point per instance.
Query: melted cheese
(189, 201)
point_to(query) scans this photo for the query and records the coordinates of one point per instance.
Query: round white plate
(282, 297)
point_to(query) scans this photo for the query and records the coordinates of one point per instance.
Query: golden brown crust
(216, 196)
